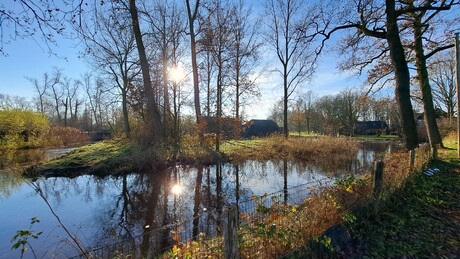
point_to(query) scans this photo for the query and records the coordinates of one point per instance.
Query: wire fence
(203, 230)
(267, 226)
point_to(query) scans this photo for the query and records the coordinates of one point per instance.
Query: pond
(101, 211)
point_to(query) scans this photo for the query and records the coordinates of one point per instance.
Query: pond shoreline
(117, 157)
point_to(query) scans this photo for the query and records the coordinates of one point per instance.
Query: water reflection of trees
(14, 158)
(12, 162)
(130, 208)
(10, 180)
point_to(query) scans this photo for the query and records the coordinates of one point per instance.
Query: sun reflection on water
(177, 189)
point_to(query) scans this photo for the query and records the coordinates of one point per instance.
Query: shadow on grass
(422, 219)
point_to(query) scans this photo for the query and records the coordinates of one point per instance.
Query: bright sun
(177, 189)
(176, 73)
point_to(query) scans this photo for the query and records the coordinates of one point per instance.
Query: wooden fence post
(230, 232)
(434, 152)
(377, 184)
(411, 160)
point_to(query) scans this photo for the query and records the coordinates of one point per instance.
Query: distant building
(260, 128)
(370, 127)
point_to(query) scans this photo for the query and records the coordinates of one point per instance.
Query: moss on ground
(105, 157)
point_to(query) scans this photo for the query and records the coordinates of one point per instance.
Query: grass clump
(105, 157)
(317, 150)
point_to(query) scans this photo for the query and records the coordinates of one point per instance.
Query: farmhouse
(370, 127)
(259, 128)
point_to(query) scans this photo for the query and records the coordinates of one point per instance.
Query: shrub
(60, 136)
(19, 128)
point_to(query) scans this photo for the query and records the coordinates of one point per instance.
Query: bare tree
(38, 20)
(327, 112)
(246, 54)
(95, 91)
(70, 100)
(56, 93)
(192, 14)
(309, 100)
(218, 42)
(41, 88)
(297, 116)
(373, 25)
(419, 16)
(207, 71)
(152, 105)
(8, 102)
(166, 34)
(442, 71)
(347, 103)
(111, 49)
(291, 46)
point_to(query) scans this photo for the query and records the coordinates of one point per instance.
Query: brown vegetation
(277, 230)
(324, 150)
(60, 136)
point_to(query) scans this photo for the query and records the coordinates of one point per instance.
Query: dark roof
(371, 124)
(260, 128)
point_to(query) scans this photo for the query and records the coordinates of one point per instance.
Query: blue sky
(26, 58)
(30, 58)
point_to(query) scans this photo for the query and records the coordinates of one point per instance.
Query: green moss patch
(113, 155)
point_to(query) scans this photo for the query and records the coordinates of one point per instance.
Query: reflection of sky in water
(100, 210)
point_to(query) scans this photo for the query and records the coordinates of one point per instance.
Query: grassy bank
(121, 156)
(421, 219)
(105, 157)
(296, 231)
(317, 150)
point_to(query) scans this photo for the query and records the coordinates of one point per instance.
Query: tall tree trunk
(219, 102)
(237, 78)
(166, 106)
(402, 77)
(152, 107)
(286, 103)
(66, 107)
(428, 108)
(208, 84)
(237, 96)
(196, 90)
(124, 107)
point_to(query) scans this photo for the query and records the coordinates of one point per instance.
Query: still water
(100, 211)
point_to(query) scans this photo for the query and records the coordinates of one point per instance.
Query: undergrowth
(278, 230)
(317, 150)
(420, 219)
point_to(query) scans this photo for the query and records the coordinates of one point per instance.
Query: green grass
(231, 146)
(377, 137)
(422, 219)
(111, 155)
(303, 134)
